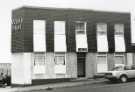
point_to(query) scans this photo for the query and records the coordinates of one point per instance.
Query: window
(133, 67)
(39, 63)
(128, 68)
(39, 39)
(119, 58)
(39, 59)
(59, 27)
(102, 28)
(119, 29)
(59, 36)
(80, 27)
(81, 37)
(102, 62)
(60, 59)
(119, 38)
(102, 42)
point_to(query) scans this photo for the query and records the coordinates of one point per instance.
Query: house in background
(56, 43)
(5, 68)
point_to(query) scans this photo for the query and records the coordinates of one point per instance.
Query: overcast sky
(7, 5)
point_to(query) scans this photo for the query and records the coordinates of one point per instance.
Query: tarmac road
(98, 87)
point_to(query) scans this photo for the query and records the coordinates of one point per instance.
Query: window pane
(59, 27)
(60, 59)
(39, 29)
(60, 43)
(102, 28)
(119, 29)
(119, 43)
(80, 28)
(101, 64)
(39, 59)
(119, 59)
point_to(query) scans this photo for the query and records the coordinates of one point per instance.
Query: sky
(6, 7)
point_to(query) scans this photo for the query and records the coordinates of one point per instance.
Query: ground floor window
(102, 62)
(60, 63)
(119, 58)
(39, 63)
(60, 58)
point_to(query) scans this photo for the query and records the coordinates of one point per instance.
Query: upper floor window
(119, 29)
(102, 28)
(59, 36)
(102, 40)
(80, 27)
(59, 27)
(39, 37)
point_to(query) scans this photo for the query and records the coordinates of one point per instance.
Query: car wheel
(123, 78)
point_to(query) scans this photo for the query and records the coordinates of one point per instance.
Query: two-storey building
(55, 43)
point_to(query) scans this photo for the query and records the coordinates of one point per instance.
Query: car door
(130, 71)
(133, 71)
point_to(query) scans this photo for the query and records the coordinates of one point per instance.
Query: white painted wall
(59, 36)
(21, 68)
(39, 30)
(60, 69)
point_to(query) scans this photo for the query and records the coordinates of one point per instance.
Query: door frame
(84, 64)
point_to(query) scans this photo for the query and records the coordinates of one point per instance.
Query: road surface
(97, 87)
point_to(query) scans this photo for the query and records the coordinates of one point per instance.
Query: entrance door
(81, 64)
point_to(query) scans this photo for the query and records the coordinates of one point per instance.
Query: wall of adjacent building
(21, 69)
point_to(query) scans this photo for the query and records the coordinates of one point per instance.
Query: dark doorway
(81, 64)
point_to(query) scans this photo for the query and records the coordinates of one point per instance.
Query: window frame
(118, 31)
(61, 55)
(101, 54)
(101, 32)
(119, 55)
(79, 31)
(38, 54)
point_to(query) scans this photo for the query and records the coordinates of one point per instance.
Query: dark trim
(20, 85)
(81, 64)
(91, 37)
(127, 37)
(110, 37)
(70, 36)
(47, 81)
(49, 36)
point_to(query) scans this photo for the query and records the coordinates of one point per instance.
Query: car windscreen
(118, 68)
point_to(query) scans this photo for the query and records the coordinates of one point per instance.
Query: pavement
(77, 82)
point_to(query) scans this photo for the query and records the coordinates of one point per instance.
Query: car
(5, 79)
(121, 73)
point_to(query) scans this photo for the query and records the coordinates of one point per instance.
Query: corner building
(54, 44)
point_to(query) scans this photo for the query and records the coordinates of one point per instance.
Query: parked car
(121, 73)
(102, 74)
(5, 79)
